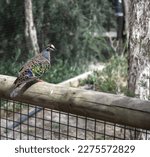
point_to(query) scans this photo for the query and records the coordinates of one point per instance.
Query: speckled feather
(34, 68)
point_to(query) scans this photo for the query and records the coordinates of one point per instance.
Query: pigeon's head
(46, 53)
(50, 47)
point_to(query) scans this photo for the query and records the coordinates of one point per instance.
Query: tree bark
(139, 47)
(138, 38)
(30, 30)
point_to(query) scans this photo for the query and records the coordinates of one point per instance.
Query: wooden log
(109, 107)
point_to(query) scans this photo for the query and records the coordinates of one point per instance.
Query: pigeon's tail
(15, 91)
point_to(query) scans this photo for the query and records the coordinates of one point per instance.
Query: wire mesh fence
(20, 121)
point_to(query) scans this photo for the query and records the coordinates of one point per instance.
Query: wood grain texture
(103, 106)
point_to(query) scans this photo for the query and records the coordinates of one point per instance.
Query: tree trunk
(138, 47)
(30, 30)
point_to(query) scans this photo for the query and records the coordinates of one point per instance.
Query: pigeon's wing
(24, 77)
(38, 65)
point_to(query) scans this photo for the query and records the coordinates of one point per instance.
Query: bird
(32, 70)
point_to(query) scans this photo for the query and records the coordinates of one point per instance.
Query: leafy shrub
(62, 70)
(112, 78)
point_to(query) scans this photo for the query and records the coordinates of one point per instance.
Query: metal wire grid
(51, 124)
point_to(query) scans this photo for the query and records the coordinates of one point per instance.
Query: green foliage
(11, 27)
(73, 26)
(62, 70)
(10, 66)
(112, 78)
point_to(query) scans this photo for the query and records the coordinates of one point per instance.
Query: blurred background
(84, 32)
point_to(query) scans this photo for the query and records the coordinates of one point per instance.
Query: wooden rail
(103, 106)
